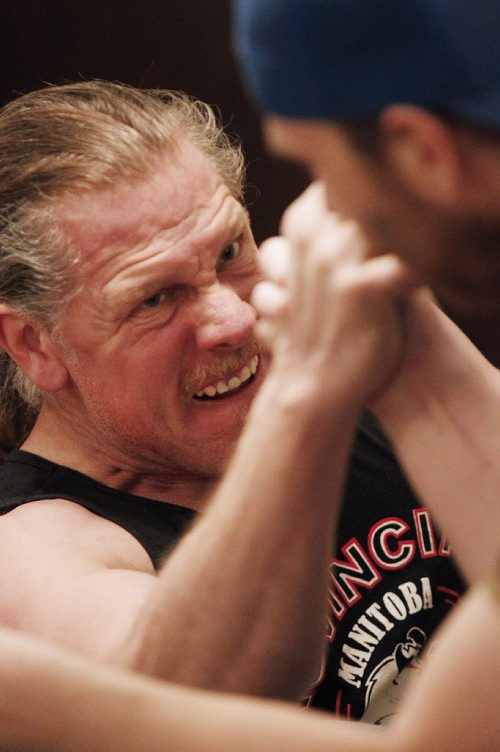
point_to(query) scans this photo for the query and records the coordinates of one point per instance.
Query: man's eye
(154, 301)
(230, 252)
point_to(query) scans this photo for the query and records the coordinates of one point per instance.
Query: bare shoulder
(71, 576)
(57, 528)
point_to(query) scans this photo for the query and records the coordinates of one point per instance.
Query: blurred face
(158, 335)
(457, 255)
(329, 157)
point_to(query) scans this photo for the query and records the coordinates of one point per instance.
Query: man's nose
(225, 320)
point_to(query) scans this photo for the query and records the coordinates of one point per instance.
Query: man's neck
(158, 481)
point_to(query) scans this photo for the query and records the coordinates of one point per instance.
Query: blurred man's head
(395, 104)
(341, 60)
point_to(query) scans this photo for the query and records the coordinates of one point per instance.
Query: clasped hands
(328, 303)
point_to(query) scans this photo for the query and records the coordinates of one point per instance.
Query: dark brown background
(178, 44)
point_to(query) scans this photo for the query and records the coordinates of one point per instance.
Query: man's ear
(30, 346)
(425, 153)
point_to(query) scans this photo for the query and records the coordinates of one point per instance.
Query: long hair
(65, 140)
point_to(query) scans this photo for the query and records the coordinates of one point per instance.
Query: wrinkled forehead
(177, 218)
(179, 190)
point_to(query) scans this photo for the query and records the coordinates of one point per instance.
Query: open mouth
(225, 388)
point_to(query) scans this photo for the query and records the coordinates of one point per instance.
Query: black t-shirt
(392, 582)
(392, 579)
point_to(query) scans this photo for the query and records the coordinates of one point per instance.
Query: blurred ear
(32, 348)
(425, 153)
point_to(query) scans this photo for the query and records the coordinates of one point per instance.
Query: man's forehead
(178, 191)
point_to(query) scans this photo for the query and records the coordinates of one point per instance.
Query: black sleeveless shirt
(157, 525)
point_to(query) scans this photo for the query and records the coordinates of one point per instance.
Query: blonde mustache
(219, 368)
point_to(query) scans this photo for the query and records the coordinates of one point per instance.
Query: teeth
(233, 383)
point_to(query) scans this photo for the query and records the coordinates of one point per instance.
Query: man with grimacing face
(129, 347)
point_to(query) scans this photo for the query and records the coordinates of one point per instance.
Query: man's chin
(211, 467)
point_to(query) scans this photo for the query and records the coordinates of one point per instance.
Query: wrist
(310, 394)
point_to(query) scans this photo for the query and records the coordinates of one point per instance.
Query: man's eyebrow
(122, 295)
(241, 224)
(231, 232)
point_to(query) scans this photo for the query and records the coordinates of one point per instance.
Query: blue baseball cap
(348, 59)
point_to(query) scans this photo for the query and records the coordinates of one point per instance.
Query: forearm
(442, 414)
(240, 604)
(53, 701)
(453, 704)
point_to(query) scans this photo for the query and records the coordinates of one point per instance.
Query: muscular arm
(240, 604)
(443, 413)
(452, 706)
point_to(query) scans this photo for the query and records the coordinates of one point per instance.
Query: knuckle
(301, 217)
(275, 257)
(292, 222)
(346, 283)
